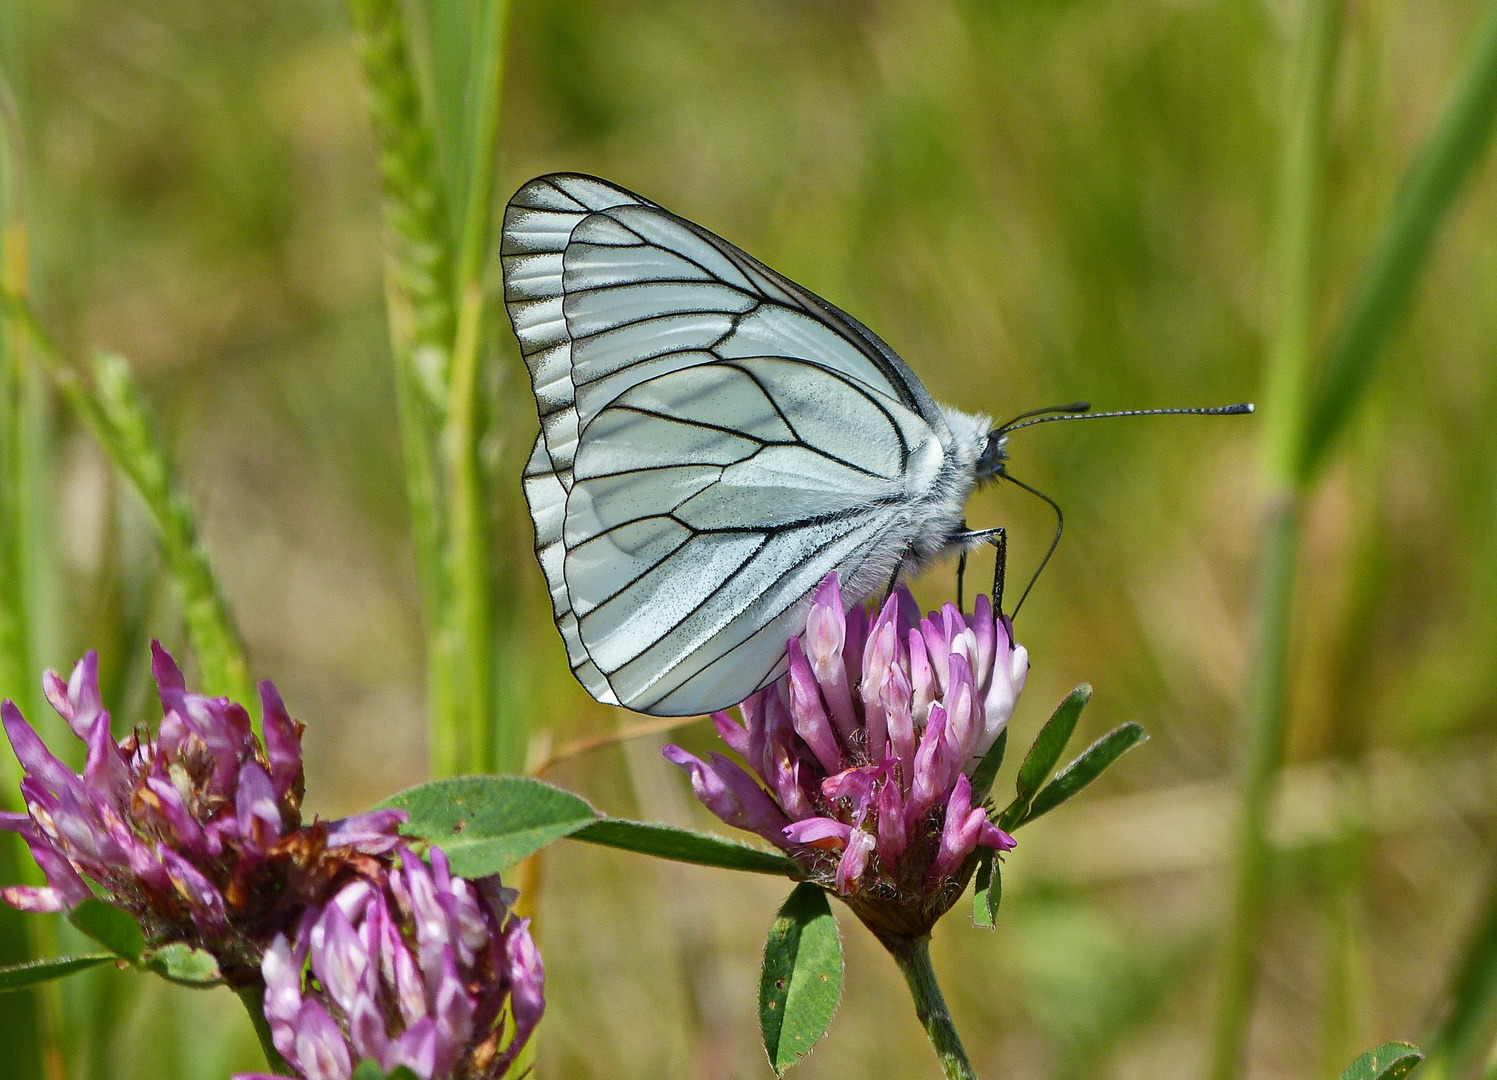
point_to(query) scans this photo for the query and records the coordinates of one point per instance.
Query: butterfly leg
(999, 539)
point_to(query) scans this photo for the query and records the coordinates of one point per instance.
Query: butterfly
(714, 440)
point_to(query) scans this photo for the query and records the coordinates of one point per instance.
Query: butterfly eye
(994, 454)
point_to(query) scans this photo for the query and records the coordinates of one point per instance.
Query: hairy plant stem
(912, 954)
(253, 998)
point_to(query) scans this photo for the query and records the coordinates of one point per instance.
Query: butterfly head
(994, 454)
(990, 463)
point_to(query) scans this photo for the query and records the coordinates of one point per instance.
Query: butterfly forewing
(714, 440)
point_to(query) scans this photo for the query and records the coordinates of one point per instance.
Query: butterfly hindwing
(548, 504)
(714, 440)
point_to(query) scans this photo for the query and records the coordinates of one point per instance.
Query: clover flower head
(196, 829)
(411, 966)
(862, 752)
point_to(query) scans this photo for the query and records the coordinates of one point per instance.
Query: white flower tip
(1018, 667)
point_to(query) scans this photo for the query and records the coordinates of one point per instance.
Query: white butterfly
(714, 440)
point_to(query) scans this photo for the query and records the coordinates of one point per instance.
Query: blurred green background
(1033, 201)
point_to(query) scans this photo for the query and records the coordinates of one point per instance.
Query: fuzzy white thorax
(932, 516)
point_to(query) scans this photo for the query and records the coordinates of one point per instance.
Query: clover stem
(253, 996)
(912, 954)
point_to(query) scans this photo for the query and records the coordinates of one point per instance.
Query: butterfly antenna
(1060, 525)
(1024, 421)
(1074, 407)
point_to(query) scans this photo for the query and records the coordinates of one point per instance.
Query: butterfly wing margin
(538, 225)
(548, 502)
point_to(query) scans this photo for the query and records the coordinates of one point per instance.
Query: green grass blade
(115, 413)
(26, 1039)
(486, 71)
(451, 26)
(18, 443)
(1436, 176)
(20, 1013)
(1298, 243)
(1262, 756)
(443, 747)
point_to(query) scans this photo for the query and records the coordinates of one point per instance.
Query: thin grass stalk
(21, 1028)
(137, 449)
(1261, 760)
(30, 1040)
(419, 294)
(1344, 985)
(1305, 420)
(1345, 862)
(16, 659)
(1429, 187)
(110, 993)
(115, 413)
(472, 575)
(1299, 244)
(421, 477)
(20, 1013)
